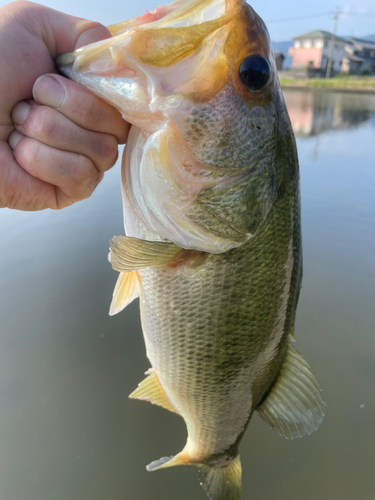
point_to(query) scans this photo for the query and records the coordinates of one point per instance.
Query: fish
(211, 206)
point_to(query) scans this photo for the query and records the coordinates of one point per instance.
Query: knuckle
(62, 200)
(85, 177)
(84, 107)
(93, 112)
(89, 186)
(105, 150)
(82, 170)
(109, 148)
(44, 124)
(30, 151)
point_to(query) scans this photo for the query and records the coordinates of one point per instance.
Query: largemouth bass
(211, 199)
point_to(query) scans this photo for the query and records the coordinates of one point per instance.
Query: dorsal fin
(151, 390)
(295, 406)
(126, 290)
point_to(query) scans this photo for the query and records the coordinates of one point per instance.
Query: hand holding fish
(54, 148)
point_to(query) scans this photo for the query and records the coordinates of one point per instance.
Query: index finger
(80, 105)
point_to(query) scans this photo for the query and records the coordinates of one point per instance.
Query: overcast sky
(358, 18)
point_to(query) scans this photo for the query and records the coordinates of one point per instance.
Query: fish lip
(65, 59)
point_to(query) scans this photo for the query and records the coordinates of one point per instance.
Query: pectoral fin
(294, 407)
(151, 390)
(126, 290)
(129, 254)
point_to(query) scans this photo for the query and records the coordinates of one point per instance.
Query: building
(359, 57)
(312, 50)
(279, 58)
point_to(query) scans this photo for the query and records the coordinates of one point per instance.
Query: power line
(298, 18)
(359, 14)
(366, 14)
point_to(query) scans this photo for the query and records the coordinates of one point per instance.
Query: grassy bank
(343, 83)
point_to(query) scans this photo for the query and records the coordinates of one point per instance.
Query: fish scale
(227, 303)
(210, 185)
(218, 137)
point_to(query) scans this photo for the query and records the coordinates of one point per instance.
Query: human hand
(56, 138)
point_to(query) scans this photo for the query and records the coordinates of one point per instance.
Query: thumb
(31, 37)
(94, 34)
(65, 33)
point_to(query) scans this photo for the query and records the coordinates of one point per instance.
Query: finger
(53, 129)
(80, 105)
(31, 36)
(18, 189)
(74, 174)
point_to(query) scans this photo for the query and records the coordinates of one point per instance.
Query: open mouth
(175, 49)
(160, 29)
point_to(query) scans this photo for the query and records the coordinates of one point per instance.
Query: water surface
(67, 429)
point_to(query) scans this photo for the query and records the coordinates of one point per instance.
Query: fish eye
(255, 72)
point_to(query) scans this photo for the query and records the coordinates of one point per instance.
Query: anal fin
(294, 406)
(151, 390)
(126, 290)
(164, 462)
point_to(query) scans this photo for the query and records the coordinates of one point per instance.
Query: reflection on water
(313, 113)
(67, 429)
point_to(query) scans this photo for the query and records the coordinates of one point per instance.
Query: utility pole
(336, 18)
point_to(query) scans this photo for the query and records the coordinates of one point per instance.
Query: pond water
(68, 430)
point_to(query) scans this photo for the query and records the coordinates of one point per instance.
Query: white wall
(338, 53)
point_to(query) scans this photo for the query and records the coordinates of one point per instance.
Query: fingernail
(14, 139)
(20, 112)
(47, 90)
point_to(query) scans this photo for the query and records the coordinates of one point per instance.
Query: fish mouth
(157, 33)
(155, 55)
(176, 15)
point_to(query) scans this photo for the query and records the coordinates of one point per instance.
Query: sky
(358, 18)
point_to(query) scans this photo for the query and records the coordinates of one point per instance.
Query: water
(67, 429)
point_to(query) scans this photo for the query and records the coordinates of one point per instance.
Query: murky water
(67, 429)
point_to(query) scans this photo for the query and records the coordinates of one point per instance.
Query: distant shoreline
(347, 90)
(348, 84)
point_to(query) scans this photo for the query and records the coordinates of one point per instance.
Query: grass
(338, 82)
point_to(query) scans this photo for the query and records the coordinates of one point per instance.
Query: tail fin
(222, 483)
